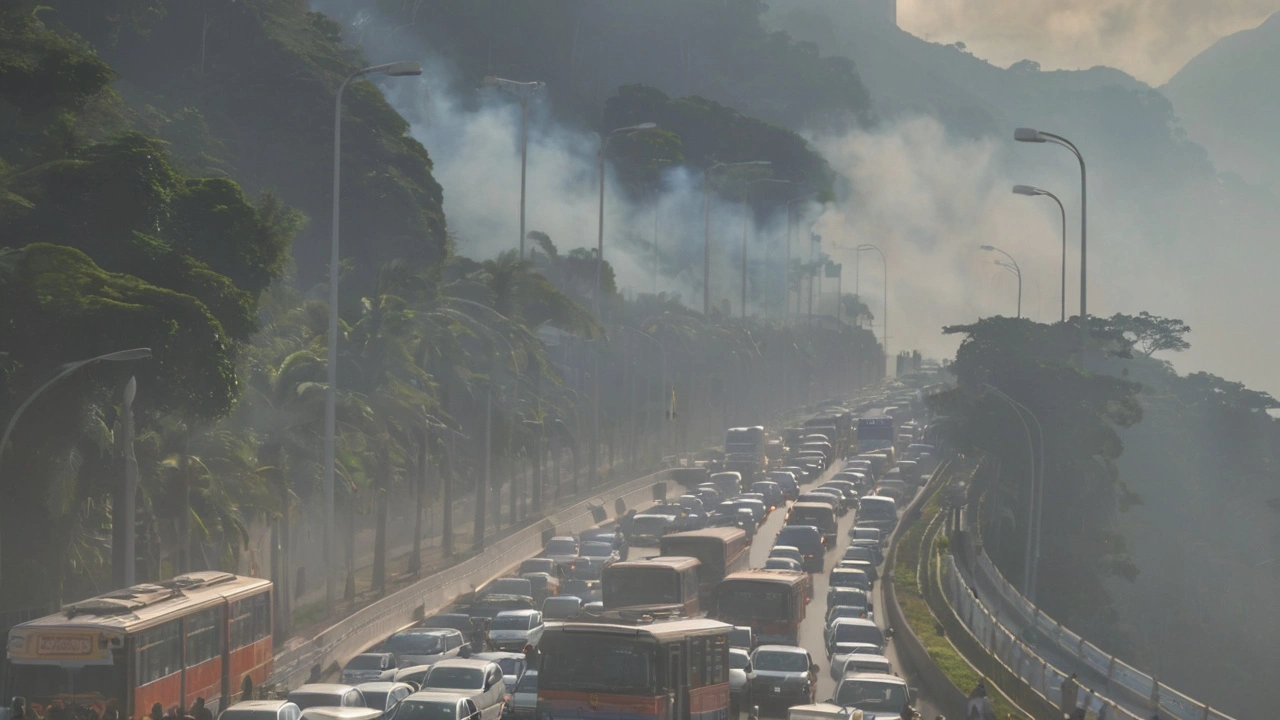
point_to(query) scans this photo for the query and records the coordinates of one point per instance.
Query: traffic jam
(754, 592)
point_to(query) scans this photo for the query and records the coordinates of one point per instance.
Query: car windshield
(509, 586)
(425, 710)
(781, 564)
(782, 661)
(629, 586)
(561, 547)
(528, 682)
(511, 665)
(596, 549)
(510, 622)
(738, 660)
(415, 644)
(740, 637)
(746, 601)
(871, 695)
(556, 608)
(533, 565)
(858, 633)
(455, 678)
(649, 523)
(799, 537)
(365, 662)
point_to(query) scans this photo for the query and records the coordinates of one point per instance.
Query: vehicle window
(849, 632)
(561, 547)
(739, 660)
(782, 662)
(455, 678)
(748, 602)
(871, 696)
(510, 622)
(598, 663)
(425, 710)
(528, 682)
(365, 662)
(511, 665)
(415, 644)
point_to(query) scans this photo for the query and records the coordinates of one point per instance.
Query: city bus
(676, 670)
(771, 603)
(721, 550)
(667, 582)
(203, 634)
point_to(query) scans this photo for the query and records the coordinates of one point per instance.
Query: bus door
(677, 682)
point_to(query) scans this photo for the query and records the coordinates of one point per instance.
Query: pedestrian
(979, 706)
(157, 712)
(18, 709)
(198, 710)
(111, 711)
(1070, 696)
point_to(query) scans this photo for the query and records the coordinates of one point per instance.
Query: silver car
(513, 630)
(480, 680)
(423, 646)
(384, 696)
(524, 701)
(431, 705)
(326, 695)
(261, 710)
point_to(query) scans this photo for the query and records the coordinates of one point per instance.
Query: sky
(1149, 39)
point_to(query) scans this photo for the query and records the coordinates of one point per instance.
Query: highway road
(811, 629)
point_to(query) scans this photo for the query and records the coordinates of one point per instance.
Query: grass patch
(920, 618)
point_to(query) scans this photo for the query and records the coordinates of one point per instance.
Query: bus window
(599, 662)
(204, 636)
(159, 652)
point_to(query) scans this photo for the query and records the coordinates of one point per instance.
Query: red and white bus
(203, 634)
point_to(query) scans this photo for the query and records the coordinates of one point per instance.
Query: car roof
(733, 650)
(878, 659)
(438, 695)
(381, 686)
(563, 599)
(428, 631)
(564, 537)
(855, 621)
(463, 663)
(877, 677)
(790, 649)
(323, 688)
(495, 656)
(516, 613)
(785, 547)
(258, 705)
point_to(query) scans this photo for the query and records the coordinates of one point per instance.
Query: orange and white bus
(722, 551)
(677, 670)
(656, 582)
(203, 634)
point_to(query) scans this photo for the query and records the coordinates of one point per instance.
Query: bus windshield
(609, 663)
(44, 683)
(753, 601)
(631, 586)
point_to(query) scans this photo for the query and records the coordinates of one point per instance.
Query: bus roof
(659, 630)
(767, 576)
(140, 606)
(725, 534)
(675, 562)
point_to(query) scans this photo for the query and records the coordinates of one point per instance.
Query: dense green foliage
(583, 50)
(710, 132)
(133, 135)
(1080, 414)
(246, 89)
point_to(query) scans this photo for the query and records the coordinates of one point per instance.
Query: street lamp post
(595, 376)
(119, 356)
(1031, 559)
(604, 142)
(706, 233)
(1011, 266)
(746, 215)
(395, 69)
(1032, 135)
(1033, 191)
(884, 328)
(523, 92)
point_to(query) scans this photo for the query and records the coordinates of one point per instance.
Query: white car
(480, 680)
(513, 630)
(787, 551)
(864, 663)
(877, 695)
(436, 706)
(261, 710)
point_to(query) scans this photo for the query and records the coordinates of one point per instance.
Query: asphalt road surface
(811, 629)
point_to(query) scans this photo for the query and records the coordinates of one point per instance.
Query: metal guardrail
(1036, 673)
(1121, 676)
(353, 634)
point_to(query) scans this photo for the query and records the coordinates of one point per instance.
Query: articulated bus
(677, 670)
(771, 602)
(721, 551)
(670, 582)
(203, 634)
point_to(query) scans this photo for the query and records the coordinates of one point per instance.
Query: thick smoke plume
(1149, 39)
